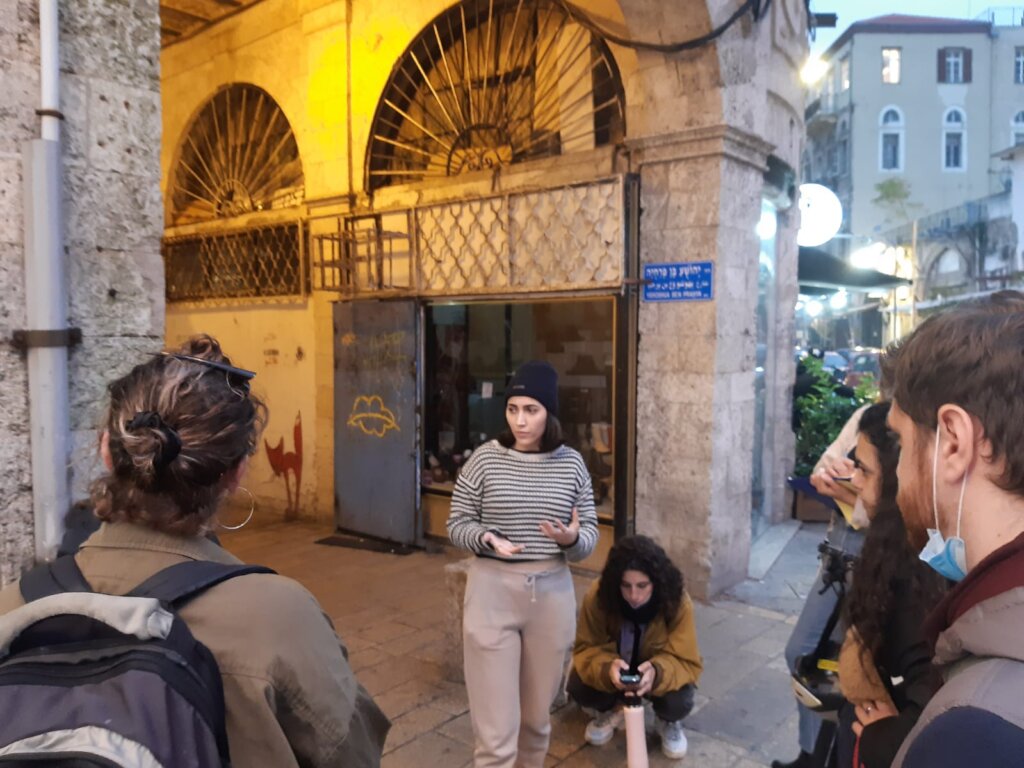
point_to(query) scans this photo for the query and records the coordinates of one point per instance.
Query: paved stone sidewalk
(390, 611)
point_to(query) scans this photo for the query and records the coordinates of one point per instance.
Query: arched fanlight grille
(238, 156)
(494, 82)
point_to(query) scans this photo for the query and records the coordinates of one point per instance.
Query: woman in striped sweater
(524, 504)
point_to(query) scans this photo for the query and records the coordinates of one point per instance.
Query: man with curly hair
(637, 619)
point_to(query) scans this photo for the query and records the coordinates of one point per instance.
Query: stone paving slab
(394, 628)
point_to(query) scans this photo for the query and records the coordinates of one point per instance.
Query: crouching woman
(637, 619)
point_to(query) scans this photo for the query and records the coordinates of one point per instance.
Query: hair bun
(170, 446)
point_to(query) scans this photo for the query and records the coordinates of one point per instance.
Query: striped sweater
(512, 493)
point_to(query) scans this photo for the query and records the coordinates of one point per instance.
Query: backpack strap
(177, 584)
(62, 575)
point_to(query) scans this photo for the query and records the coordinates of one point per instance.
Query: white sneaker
(601, 729)
(673, 740)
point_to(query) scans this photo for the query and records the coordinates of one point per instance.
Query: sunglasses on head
(238, 378)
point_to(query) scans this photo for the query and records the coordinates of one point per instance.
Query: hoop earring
(252, 508)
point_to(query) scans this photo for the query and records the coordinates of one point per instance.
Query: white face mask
(948, 557)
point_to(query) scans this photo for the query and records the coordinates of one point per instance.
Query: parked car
(864, 363)
(836, 365)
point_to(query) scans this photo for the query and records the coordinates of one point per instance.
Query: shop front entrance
(456, 295)
(376, 440)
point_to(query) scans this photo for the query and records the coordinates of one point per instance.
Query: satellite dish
(821, 215)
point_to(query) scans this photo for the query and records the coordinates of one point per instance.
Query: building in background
(907, 124)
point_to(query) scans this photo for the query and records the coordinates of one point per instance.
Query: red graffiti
(282, 463)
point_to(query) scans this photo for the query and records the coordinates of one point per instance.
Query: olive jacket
(291, 698)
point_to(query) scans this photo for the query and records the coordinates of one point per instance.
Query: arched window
(488, 84)
(1017, 128)
(237, 156)
(890, 140)
(954, 140)
(237, 166)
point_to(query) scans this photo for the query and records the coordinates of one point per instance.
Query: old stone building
(384, 209)
(469, 185)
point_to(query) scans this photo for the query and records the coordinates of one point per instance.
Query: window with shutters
(844, 74)
(954, 65)
(891, 66)
(1018, 65)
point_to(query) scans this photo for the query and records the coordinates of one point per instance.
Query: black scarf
(645, 614)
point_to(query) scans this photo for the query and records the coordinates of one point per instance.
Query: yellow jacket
(671, 649)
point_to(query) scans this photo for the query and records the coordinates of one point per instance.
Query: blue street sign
(687, 281)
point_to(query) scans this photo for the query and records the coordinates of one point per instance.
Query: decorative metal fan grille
(239, 155)
(494, 82)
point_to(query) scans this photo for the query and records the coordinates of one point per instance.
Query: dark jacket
(977, 718)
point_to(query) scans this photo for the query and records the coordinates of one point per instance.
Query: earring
(252, 508)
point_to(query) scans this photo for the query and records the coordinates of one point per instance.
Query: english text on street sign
(685, 281)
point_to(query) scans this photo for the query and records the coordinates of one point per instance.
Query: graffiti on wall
(285, 463)
(371, 417)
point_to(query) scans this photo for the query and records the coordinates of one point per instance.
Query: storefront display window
(471, 351)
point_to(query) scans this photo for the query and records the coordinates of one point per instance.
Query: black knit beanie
(538, 380)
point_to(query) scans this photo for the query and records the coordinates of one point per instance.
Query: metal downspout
(48, 336)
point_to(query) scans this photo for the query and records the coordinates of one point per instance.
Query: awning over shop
(820, 272)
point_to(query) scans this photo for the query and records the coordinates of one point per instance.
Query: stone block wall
(110, 96)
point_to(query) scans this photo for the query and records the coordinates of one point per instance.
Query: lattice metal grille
(464, 245)
(264, 261)
(565, 238)
(362, 253)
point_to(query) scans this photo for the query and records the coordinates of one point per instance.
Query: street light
(839, 300)
(813, 70)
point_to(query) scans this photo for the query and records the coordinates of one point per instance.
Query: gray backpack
(90, 680)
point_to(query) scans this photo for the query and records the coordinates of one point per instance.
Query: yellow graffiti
(371, 417)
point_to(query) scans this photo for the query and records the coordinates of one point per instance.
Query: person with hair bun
(176, 439)
(638, 619)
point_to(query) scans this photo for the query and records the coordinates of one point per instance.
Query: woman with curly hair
(636, 637)
(891, 594)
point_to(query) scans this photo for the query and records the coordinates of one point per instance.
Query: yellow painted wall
(273, 340)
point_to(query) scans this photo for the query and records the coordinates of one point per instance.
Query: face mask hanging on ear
(948, 557)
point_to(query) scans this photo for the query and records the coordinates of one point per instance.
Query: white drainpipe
(47, 337)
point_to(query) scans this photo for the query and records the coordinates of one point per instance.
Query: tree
(893, 196)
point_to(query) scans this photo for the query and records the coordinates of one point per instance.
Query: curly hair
(887, 563)
(175, 428)
(639, 553)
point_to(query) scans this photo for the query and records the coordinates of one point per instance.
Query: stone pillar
(110, 97)
(700, 201)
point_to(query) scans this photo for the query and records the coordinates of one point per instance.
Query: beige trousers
(519, 621)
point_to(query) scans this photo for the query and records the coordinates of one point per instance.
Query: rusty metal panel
(375, 419)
